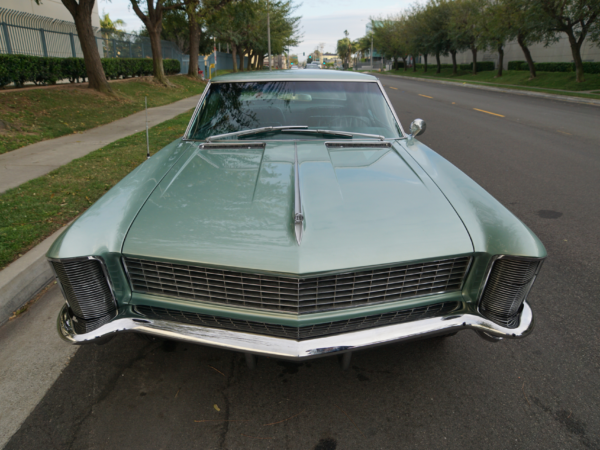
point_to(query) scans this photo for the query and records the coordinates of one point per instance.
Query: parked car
(296, 218)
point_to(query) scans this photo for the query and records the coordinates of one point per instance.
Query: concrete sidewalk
(27, 163)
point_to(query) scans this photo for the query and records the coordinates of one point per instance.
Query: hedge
(482, 66)
(19, 69)
(588, 67)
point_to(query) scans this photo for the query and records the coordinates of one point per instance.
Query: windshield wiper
(349, 134)
(255, 131)
(292, 129)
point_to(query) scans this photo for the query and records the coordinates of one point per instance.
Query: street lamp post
(269, 34)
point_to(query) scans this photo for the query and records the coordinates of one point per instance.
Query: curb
(21, 280)
(563, 98)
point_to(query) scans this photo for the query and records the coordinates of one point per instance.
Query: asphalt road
(541, 159)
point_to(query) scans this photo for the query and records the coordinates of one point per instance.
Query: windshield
(324, 105)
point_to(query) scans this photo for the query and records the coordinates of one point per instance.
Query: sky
(323, 21)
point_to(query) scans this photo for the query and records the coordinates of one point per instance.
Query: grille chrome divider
(298, 216)
(304, 332)
(296, 295)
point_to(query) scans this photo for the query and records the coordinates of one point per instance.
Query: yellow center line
(392, 87)
(487, 112)
(427, 96)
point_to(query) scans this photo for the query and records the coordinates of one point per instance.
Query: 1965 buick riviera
(295, 218)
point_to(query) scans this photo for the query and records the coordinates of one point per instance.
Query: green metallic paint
(101, 230)
(493, 229)
(362, 207)
(233, 209)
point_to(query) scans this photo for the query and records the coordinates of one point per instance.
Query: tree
(577, 19)
(391, 36)
(82, 15)
(153, 22)
(519, 20)
(106, 23)
(437, 16)
(464, 30)
(345, 48)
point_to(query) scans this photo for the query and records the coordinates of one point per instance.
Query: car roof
(293, 75)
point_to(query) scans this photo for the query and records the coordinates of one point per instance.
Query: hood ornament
(298, 216)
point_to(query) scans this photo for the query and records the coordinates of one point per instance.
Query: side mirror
(417, 127)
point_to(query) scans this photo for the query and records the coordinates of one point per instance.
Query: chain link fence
(29, 34)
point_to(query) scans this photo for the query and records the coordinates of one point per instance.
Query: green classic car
(295, 218)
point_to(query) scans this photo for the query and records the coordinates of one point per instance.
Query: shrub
(19, 69)
(482, 66)
(516, 65)
(74, 69)
(588, 67)
(171, 66)
(553, 67)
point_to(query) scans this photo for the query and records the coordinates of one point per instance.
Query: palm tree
(111, 27)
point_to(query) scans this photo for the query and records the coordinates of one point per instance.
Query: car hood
(363, 206)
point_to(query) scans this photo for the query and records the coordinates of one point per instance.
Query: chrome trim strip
(387, 99)
(298, 216)
(291, 349)
(264, 80)
(251, 131)
(187, 130)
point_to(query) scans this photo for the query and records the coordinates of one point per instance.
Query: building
(53, 9)
(332, 58)
(557, 52)
(27, 28)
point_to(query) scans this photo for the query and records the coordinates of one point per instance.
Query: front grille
(296, 295)
(300, 333)
(507, 287)
(85, 287)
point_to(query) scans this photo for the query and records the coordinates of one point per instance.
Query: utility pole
(372, 63)
(269, 34)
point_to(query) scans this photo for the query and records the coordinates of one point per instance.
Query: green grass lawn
(36, 209)
(563, 81)
(34, 115)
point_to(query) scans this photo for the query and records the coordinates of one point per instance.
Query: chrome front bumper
(290, 349)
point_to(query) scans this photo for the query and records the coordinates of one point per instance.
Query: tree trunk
(153, 22)
(249, 61)
(194, 45)
(425, 62)
(527, 54)
(474, 51)
(157, 59)
(414, 63)
(439, 64)
(404, 64)
(500, 59)
(234, 57)
(576, 52)
(453, 53)
(241, 56)
(82, 15)
(261, 62)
